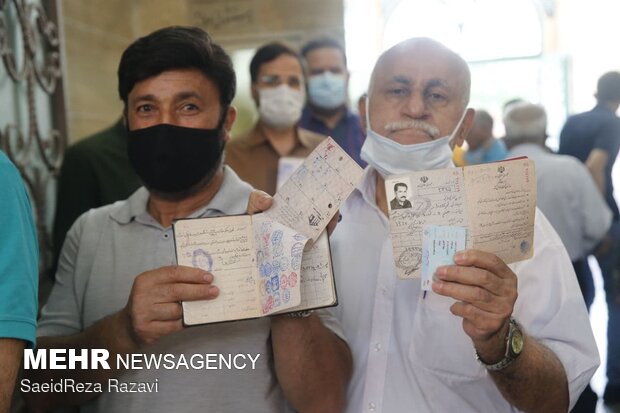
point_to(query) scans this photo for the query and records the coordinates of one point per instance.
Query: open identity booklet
(490, 207)
(277, 261)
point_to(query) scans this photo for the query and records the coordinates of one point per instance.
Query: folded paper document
(278, 261)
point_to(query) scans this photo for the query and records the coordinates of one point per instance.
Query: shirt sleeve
(551, 309)
(61, 315)
(19, 258)
(595, 214)
(608, 137)
(331, 322)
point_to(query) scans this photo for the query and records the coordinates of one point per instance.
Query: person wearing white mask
(278, 89)
(479, 341)
(327, 111)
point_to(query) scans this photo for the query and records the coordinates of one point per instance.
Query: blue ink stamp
(297, 249)
(296, 263)
(524, 246)
(278, 250)
(202, 259)
(276, 237)
(265, 269)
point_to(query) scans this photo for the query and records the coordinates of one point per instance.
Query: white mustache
(425, 127)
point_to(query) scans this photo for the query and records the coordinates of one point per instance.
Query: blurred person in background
(593, 137)
(567, 195)
(278, 90)
(327, 111)
(482, 145)
(95, 171)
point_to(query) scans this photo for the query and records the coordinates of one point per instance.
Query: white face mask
(389, 157)
(280, 107)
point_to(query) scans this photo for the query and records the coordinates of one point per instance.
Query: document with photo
(494, 202)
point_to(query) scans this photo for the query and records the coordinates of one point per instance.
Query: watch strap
(509, 356)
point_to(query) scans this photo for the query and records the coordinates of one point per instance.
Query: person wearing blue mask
(327, 111)
(479, 341)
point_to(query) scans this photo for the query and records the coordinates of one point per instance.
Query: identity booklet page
(433, 214)
(274, 262)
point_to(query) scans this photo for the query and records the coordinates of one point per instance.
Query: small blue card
(439, 244)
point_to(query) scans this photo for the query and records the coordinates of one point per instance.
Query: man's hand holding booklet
(274, 262)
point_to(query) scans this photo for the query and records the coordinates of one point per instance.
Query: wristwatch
(514, 347)
(300, 314)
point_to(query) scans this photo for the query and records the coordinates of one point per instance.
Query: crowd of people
(492, 337)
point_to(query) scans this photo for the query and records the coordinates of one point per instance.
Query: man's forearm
(536, 381)
(310, 360)
(10, 358)
(110, 333)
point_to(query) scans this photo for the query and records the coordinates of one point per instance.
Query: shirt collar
(308, 117)
(366, 192)
(230, 199)
(367, 188)
(526, 149)
(258, 137)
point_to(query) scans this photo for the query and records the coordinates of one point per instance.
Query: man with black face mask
(118, 287)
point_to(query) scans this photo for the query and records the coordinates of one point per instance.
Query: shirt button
(166, 235)
(378, 347)
(372, 407)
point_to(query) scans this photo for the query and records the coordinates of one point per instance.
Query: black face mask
(172, 159)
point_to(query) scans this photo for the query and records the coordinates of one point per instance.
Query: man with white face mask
(327, 111)
(479, 341)
(278, 89)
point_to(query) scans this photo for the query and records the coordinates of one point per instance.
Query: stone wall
(97, 31)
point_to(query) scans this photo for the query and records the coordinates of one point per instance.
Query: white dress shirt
(569, 198)
(411, 354)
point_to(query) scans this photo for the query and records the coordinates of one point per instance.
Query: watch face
(516, 342)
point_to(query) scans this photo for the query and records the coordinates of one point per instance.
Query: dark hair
(267, 53)
(176, 47)
(397, 184)
(608, 87)
(323, 42)
(482, 116)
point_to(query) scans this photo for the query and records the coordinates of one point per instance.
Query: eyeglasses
(294, 82)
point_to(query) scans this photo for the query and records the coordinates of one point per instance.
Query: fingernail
(459, 256)
(214, 291)
(208, 277)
